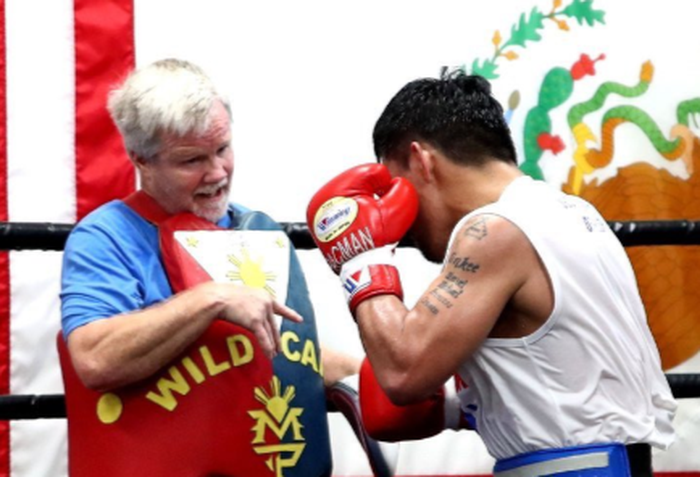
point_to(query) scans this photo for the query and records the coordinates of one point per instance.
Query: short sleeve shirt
(111, 265)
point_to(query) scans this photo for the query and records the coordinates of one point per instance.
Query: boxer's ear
(421, 160)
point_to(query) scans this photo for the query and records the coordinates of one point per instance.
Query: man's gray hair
(167, 96)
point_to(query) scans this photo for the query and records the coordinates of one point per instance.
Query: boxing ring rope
(19, 236)
(52, 236)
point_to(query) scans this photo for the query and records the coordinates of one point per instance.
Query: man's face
(420, 232)
(193, 173)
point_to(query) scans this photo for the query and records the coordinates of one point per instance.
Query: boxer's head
(455, 120)
(456, 114)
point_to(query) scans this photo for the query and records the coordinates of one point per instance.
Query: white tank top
(592, 372)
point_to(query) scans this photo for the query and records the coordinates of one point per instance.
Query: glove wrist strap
(370, 274)
(376, 256)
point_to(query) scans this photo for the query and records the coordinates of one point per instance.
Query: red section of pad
(104, 54)
(215, 399)
(192, 419)
(147, 207)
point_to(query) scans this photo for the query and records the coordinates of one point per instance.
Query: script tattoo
(438, 295)
(463, 263)
(449, 289)
(476, 228)
(431, 308)
(452, 285)
(456, 266)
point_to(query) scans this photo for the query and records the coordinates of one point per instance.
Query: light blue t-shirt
(111, 265)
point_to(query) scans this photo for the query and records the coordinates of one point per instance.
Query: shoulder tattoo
(476, 228)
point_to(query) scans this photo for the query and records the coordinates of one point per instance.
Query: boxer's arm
(126, 348)
(354, 220)
(413, 352)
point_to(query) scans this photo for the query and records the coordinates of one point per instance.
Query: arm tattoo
(463, 263)
(427, 303)
(476, 228)
(451, 287)
(453, 283)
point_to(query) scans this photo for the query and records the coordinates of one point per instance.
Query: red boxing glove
(356, 220)
(385, 421)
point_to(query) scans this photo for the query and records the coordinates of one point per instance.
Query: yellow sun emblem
(277, 404)
(251, 272)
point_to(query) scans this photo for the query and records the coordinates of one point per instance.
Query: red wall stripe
(104, 53)
(4, 256)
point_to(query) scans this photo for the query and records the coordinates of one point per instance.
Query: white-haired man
(188, 375)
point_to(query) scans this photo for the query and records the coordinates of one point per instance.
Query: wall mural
(669, 276)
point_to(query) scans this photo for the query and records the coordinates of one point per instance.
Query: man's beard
(213, 212)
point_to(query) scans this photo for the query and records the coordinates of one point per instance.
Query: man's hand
(356, 220)
(255, 310)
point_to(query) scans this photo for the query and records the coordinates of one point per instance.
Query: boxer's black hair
(457, 114)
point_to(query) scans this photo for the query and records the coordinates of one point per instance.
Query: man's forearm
(126, 348)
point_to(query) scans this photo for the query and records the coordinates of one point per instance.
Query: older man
(175, 359)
